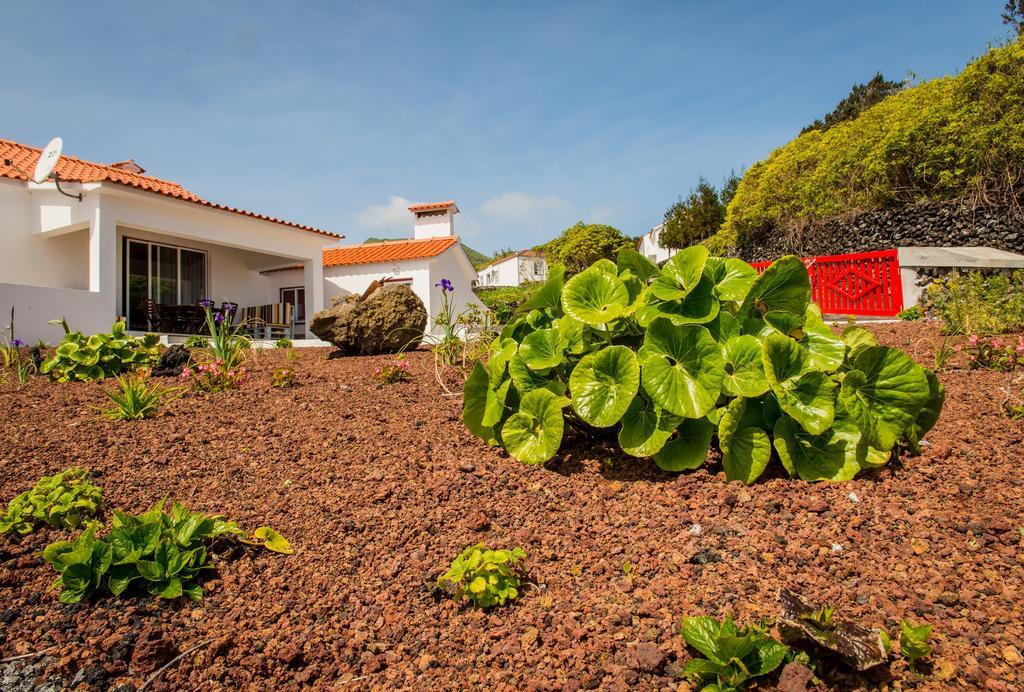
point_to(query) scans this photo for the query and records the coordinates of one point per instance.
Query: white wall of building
(650, 248)
(514, 271)
(56, 242)
(434, 224)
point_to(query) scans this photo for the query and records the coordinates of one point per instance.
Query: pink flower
(997, 343)
(185, 372)
(973, 341)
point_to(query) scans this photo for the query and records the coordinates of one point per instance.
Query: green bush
(65, 500)
(977, 304)
(732, 655)
(96, 357)
(162, 552)
(486, 577)
(503, 301)
(196, 341)
(703, 347)
(911, 314)
(283, 342)
(943, 139)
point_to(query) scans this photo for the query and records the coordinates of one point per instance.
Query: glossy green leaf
(699, 306)
(746, 449)
(832, 456)
(681, 368)
(784, 359)
(595, 297)
(603, 385)
(632, 261)
(534, 433)
(784, 286)
(549, 296)
(810, 399)
(688, 449)
(744, 367)
(680, 274)
(929, 414)
(542, 349)
(645, 428)
(884, 393)
(272, 540)
(732, 277)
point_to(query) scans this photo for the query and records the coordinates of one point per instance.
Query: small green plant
(292, 355)
(282, 377)
(224, 368)
(732, 655)
(974, 303)
(486, 577)
(283, 342)
(162, 552)
(196, 341)
(944, 352)
(84, 359)
(627, 569)
(391, 373)
(911, 314)
(994, 353)
(65, 500)
(914, 644)
(136, 398)
(821, 618)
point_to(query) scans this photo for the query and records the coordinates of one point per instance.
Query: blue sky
(531, 115)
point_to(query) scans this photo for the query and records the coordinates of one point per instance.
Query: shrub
(944, 139)
(486, 577)
(977, 304)
(137, 399)
(282, 377)
(703, 347)
(732, 655)
(390, 373)
(581, 245)
(503, 301)
(65, 500)
(283, 342)
(84, 359)
(162, 552)
(911, 314)
(196, 341)
(995, 353)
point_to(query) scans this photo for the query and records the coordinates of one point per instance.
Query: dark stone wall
(936, 224)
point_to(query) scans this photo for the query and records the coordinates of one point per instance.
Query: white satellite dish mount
(45, 167)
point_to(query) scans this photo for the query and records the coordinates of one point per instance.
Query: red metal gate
(862, 283)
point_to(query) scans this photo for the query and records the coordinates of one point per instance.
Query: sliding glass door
(165, 274)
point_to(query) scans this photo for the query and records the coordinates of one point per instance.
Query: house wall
(56, 242)
(503, 273)
(532, 269)
(650, 248)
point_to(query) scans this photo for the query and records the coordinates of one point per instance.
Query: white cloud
(523, 207)
(390, 216)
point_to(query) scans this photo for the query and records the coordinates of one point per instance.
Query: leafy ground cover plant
(196, 341)
(485, 577)
(911, 314)
(162, 552)
(701, 349)
(914, 644)
(732, 655)
(65, 500)
(282, 377)
(283, 342)
(84, 359)
(390, 373)
(136, 398)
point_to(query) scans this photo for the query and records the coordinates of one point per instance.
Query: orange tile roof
(393, 251)
(430, 206)
(75, 170)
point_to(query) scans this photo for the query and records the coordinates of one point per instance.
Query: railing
(862, 283)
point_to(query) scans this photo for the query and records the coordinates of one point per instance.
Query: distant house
(433, 253)
(514, 270)
(649, 247)
(136, 247)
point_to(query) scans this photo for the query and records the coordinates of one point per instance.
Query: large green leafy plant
(65, 500)
(732, 655)
(162, 552)
(87, 358)
(702, 349)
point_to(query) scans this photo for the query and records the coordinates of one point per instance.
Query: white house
(514, 270)
(650, 248)
(432, 254)
(132, 239)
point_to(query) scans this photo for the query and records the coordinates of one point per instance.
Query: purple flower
(219, 317)
(206, 303)
(18, 343)
(445, 285)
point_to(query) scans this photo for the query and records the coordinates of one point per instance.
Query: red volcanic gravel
(379, 488)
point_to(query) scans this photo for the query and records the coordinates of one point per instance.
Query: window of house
(166, 274)
(296, 297)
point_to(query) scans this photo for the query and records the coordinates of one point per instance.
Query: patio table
(182, 319)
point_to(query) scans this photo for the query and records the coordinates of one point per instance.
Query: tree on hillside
(581, 245)
(1013, 15)
(691, 220)
(860, 98)
(729, 186)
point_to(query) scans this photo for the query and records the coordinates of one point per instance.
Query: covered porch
(150, 259)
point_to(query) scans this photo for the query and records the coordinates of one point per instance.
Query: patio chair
(269, 321)
(151, 310)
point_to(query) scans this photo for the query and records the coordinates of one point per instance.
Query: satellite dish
(48, 159)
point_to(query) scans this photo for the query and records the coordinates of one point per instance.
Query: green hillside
(949, 138)
(478, 259)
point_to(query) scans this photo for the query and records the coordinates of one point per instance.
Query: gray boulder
(385, 319)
